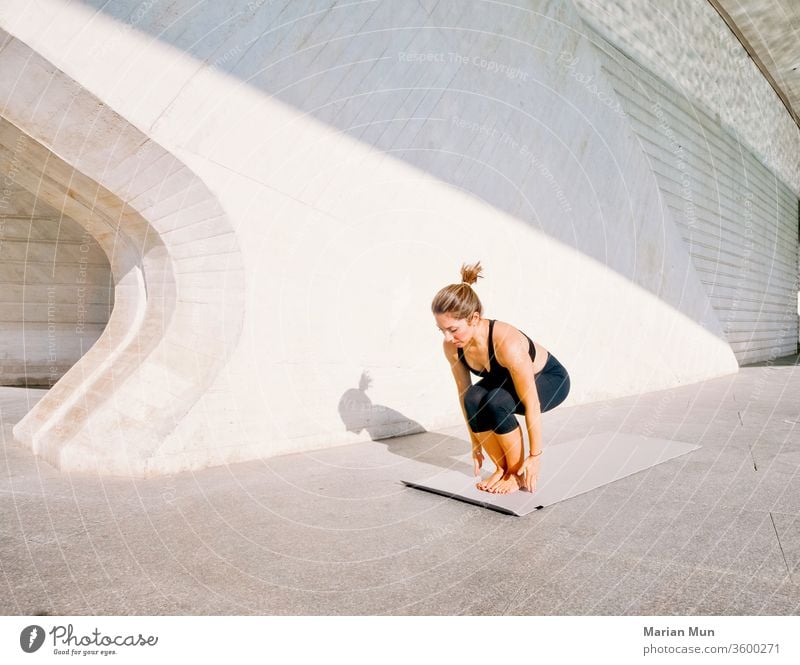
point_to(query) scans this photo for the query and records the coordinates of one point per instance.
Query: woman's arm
(512, 352)
(463, 382)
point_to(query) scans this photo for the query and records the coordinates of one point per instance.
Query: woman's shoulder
(507, 332)
(511, 344)
(508, 338)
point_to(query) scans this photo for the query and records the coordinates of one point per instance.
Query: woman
(519, 376)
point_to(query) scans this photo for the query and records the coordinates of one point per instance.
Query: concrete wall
(56, 285)
(688, 45)
(738, 219)
(355, 156)
(171, 329)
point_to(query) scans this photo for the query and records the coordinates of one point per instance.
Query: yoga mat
(566, 470)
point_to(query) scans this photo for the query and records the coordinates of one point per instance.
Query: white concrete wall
(738, 219)
(172, 327)
(358, 155)
(57, 291)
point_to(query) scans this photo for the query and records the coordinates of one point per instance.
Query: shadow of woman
(401, 435)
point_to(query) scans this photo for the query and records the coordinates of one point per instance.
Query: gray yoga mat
(566, 470)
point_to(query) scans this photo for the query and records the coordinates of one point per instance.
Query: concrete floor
(335, 532)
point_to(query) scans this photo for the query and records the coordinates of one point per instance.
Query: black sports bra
(495, 367)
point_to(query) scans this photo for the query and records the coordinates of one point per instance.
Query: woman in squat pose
(519, 376)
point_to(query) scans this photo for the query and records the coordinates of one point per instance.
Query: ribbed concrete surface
(57, 290)
(687, 43)
(334, 532)
(737, 218)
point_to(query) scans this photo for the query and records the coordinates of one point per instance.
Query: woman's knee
(473, 400)
(501, 399)
(500, 406)
(473, 397)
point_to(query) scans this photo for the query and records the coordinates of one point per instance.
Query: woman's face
(456, 331)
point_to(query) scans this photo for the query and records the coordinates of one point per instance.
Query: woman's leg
(504, 442)
(513, 454)
(479, 419)
(493, 449)
(552, 384)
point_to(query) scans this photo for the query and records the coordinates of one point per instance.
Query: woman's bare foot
(491, 481)
(509, 483)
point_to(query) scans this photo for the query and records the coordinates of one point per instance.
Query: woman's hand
(530, 471)
(477, 458)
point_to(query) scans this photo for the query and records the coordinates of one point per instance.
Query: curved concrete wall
(56, 285)
(171, 330)
(738, 219)
(687, 44)
(358, 155)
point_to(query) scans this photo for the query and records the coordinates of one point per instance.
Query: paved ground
(334, 531)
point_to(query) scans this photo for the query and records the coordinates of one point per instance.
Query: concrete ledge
(115, 407)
